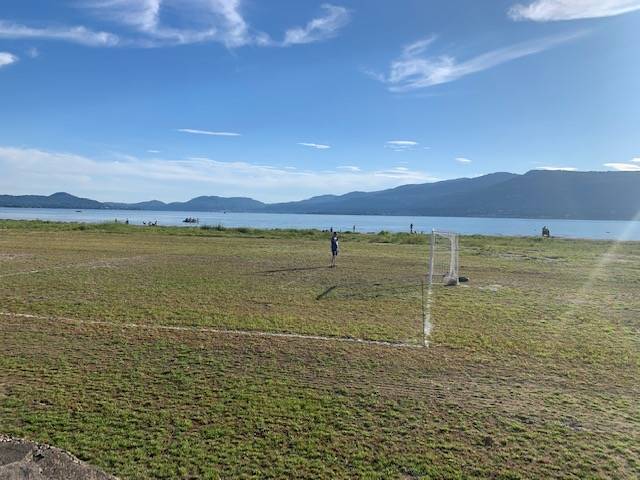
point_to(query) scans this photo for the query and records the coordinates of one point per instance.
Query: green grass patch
(532, 369)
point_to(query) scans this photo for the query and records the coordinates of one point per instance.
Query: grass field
(532, 369)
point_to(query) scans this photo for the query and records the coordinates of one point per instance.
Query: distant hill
(404, 200)
(536, 194)
(198, 204)
(57, 200)
(217, 204)
(555, 194)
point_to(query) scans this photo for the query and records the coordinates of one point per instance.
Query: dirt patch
(22, 460)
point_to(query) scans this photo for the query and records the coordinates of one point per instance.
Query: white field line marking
(106, 263)
(217, 331)
(427, 316)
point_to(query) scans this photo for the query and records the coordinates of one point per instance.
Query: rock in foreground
(24, 460)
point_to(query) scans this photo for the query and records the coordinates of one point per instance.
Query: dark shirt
(334, 244)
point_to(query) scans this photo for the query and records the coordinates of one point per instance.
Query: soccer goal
(443, 258)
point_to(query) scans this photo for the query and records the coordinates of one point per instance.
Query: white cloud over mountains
(126, 178)
(194, 21)
(555, 10)
(414, 70)
(634, 166)
(561, 169)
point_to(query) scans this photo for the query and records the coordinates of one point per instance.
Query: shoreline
(325, 214)
(382, 236)
(516, 227)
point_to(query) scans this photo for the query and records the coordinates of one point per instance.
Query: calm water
(595, 229)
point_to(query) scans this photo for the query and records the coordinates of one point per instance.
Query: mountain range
(536, 194)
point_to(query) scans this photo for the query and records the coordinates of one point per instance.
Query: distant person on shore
(411, 229)
(335, 245)
(546, 233)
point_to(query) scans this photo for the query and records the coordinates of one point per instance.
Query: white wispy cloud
(562, 169)
(318, 29)
(142, 14)
(148, 25)
(463, 160)
(7, 58)
(317, 146)
(213, 20)
(210, 20)
(80, 34)
(401, 145)
(624, 167)
(350, 168)
(636, 159)
(207, 132)
(153, 151)
(554, 10)
(414, 70)
(127, 178)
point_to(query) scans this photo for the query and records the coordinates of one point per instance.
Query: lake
(593, 229)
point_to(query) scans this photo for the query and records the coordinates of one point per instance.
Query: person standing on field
(334, 248)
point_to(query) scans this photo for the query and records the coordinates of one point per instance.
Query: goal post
(443, 258)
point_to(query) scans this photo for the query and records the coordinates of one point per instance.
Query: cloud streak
(555, 10)
(209, 133)
(319, 29)
(401, 145)
(463, 160)
(414, 70)
(7, 59)
(127, 178)
(80, 35)
(317, 146)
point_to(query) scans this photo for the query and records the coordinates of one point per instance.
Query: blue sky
(285, 99)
